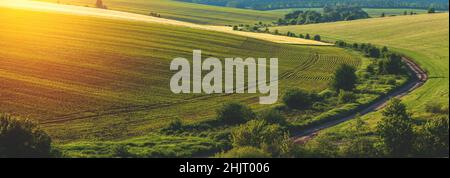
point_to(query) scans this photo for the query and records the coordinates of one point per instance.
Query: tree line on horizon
(329, 14)
(284, 4)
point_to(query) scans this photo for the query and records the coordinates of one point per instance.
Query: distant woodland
(282, 4)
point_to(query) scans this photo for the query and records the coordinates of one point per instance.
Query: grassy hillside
(89, 78)
(373, 12)
(425, 38)
(196, 13)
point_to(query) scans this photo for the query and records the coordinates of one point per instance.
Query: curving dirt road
(112, 14)
(419, 79)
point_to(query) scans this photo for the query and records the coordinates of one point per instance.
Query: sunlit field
(92, 78)
(189, 12)
(424, 38)
(89, 78)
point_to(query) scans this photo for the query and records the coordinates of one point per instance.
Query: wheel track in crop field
(312, 60)
(295, 73)
(69, 9)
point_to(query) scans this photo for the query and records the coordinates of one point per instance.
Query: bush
(298, 99)
(317, 37)
(436, 108)
(273, 117)
(255, 133)
(341, 44)
(244, 152)
(174, 126)
(346, 97)
(258, 133)
(121, 151)
(234, 113)
(307, 36)
(344, 78)
(22, 138)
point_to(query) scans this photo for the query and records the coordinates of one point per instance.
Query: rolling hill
(87, 78)
(424, 38)
(98, 81)
(195, 13)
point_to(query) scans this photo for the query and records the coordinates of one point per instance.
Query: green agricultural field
(189, 12)
(87, 78)
(373, 12)
(424, 38)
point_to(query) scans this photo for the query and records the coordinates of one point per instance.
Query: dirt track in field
(420, 78)
(112, 14)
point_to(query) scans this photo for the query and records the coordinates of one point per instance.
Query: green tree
(396, 129)
(234, 113)
(307, 36)
(276, 32)
(255, 133)
(22, 138)
(259, 134)
(344, 78)
(431, 10)
(273, 116)
(433, 137)
(317, 37)
(391, 65)
(298, 99)
(384, 50)
(374, 52)
(341, 44)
